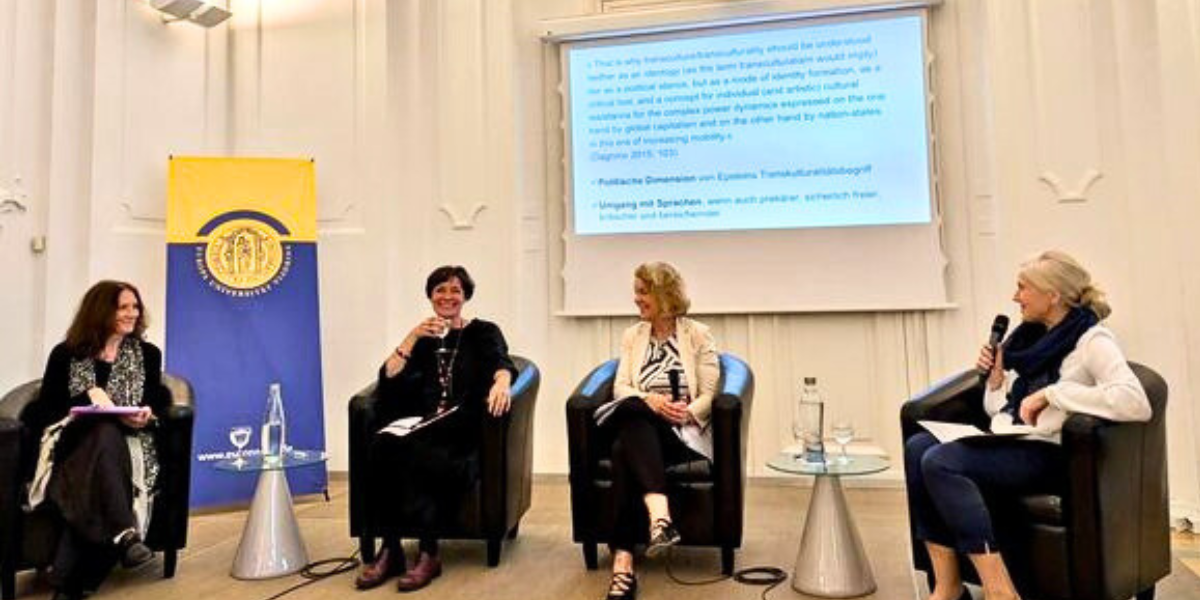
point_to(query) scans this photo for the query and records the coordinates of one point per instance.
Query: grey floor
(542, 562)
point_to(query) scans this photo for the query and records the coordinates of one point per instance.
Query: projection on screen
(782, 166)
(779, 128)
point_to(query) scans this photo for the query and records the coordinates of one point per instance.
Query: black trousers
(643, 445)
(92, 490)
(948, 484)
(418, 481)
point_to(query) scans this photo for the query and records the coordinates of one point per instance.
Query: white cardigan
(701, 368)
(1094, 379)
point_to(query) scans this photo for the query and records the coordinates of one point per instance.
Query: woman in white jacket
(659, 415)
(1060, 360)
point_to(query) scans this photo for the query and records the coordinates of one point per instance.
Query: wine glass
(444, 331)
(843, 433)
(239, 436)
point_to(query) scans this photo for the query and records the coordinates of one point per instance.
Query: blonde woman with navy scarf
(1060, 360)
(650, 428)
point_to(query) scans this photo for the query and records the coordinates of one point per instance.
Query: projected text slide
(815, 126)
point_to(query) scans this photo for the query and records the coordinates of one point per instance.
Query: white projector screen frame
(813, 269)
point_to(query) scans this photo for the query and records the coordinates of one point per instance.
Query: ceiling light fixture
(201, 13)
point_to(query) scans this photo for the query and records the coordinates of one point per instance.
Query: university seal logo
(244, 253)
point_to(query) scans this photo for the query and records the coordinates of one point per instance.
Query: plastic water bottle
(814, 414)
(274, 427)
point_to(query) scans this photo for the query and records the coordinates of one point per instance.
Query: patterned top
(661, 358)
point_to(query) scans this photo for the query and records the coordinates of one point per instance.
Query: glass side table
(831, 562)
(271, 545)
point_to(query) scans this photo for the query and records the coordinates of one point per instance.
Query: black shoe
(132, 551)
(622, 587)
(663, 535)
(63, 595)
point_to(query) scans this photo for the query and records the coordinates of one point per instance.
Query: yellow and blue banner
(243, 310)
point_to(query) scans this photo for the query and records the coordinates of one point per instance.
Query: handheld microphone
(999, 328)
(673, 377)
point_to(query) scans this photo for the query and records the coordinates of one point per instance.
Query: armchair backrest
(14, 402)
(17, 399)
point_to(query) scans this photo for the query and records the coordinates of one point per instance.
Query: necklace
(445, 362)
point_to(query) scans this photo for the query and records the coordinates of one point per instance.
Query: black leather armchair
(707, 500)
(28, 540)
(1107, 536)
(494, 508)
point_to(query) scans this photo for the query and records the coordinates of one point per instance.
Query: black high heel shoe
(622, 587)
(663, 535)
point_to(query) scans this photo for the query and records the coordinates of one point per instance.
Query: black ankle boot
(132, 551)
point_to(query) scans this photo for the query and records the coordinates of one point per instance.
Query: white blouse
(1094, 379)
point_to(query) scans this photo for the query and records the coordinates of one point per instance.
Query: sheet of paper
(406, 425)
(401, 427)
(949, 432)
(78, 411)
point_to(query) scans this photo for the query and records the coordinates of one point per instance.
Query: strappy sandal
(622, 587)
(663, 535)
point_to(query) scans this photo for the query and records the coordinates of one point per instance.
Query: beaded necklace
(446, 367)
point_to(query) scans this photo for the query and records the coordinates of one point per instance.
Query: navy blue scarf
(1036, 354)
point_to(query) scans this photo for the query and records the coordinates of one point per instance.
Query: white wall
(434, 128)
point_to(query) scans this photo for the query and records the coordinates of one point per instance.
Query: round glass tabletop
(858, 464)
(254, 462)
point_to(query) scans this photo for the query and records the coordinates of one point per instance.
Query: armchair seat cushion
(693, 471)
(1043, 509)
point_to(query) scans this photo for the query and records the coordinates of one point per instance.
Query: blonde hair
(1057, 271)
(666, 285)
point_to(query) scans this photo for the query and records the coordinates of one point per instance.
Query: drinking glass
(239, 436)
(843, 433)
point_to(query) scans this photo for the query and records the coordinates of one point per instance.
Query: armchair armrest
(957, 399)
(583, 444)
(174, 446)
(11, 484)
(594, 390)
(730, 423)
(1107, 504)
(507, 454)
(363, 415)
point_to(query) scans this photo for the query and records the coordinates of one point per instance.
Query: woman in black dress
(98, 472)
(448, 366)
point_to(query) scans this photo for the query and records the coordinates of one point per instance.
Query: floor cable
(313, 572)
(771, 577)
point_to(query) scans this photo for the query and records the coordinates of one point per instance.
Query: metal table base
(271, 545)
(831, 561)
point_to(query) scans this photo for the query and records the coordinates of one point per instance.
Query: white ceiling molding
(340, 223)
(1076, 194)
(465, 221)
(14, 199)
(133, 215)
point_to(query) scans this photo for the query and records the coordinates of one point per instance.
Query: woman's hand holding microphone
(991, 361)
(674, 412)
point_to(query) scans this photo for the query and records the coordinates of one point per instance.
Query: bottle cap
(810, 381)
